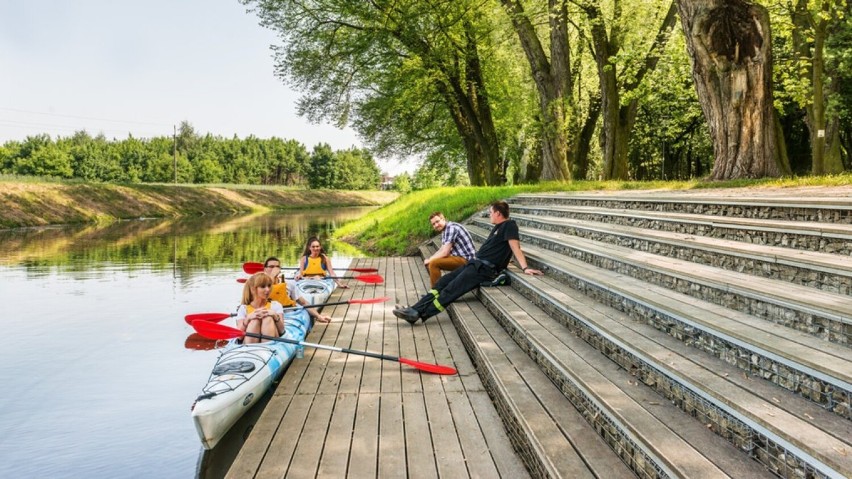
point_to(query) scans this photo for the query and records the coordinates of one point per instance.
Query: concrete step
(560, 334)
(810, 367)
(822, 314)
(836, 210)
(796, 235)
(828, 272)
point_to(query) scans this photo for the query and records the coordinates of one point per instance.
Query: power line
(17, 110)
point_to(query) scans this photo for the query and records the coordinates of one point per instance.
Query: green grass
(399, 227)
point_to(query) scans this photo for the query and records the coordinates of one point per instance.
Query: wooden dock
(338, 415)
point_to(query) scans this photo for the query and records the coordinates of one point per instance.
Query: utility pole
(174, 139)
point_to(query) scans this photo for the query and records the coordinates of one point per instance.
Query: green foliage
(402, 183)
(200, 159)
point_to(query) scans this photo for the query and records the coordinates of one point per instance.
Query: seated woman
(257, 314)
(315, 264)
(285, 294)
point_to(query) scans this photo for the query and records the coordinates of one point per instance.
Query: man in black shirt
(492, 258)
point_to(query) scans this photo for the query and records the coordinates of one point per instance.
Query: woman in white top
(257, 314)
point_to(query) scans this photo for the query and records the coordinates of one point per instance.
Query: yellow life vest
(314, 266)
(279, 293)
(250, 308)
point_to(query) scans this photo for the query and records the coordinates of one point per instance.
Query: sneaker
(409, 314)
(502, 279)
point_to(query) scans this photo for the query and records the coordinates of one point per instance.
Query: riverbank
(27, 204)
(399, 228)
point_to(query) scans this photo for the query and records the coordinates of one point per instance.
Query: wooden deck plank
(391, 373)
(476, 455)
(419, 451)
(392, 463)
(335, 452)
(306, 457)
(333, 417)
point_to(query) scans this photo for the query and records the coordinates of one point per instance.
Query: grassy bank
(399, 227)
(39, 203)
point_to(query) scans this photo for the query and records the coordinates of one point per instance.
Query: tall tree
(624, 56)
(555, 73)
(729, 43)
(349, 58)
(809, 25)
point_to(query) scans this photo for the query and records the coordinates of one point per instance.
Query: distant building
(387, 181)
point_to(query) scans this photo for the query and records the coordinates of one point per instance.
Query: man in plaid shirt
(456, 247)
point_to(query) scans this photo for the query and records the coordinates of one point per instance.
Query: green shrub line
(398, 228)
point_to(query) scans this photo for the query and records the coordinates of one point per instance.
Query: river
(98, 367)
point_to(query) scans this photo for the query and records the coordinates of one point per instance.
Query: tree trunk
(464, 93)
(618, 120)
(553, 80)
(730, 46)
(809, 39)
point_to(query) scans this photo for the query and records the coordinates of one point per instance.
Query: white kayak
(242, 374)
(316, 290)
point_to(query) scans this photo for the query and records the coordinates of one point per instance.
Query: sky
(119, 67)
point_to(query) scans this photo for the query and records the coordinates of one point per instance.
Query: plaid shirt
(462, 243)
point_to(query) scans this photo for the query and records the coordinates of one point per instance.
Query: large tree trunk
(730, 46)
(809, 38)
(553, 80)
(464, 93)
(618, 120)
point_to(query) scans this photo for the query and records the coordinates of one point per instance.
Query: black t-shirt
(496, 248)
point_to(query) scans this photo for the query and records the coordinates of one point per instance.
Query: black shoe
(409, 314)
(502, 279)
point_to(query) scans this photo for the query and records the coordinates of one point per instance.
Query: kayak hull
(316, 291)
(240, 377)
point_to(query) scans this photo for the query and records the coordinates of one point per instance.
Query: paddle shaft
(323, 346)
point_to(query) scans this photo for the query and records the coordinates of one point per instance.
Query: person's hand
(342, 286)
(426, 261)
(532, 272)
(321, 318)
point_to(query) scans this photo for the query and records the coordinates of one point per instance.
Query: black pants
(452, 286)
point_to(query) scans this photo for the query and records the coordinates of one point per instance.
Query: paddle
(200, 343)
(219, 331)
(252, 268)
(364, 278)
(216, 317)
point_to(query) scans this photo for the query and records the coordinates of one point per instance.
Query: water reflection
(187, 244)
(99, 371)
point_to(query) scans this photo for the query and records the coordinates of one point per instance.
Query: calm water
(97, 371)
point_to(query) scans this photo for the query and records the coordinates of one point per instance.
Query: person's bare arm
(515, 245)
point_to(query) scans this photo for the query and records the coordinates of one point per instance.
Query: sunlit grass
(399, 227)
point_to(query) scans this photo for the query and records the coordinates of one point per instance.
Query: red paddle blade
(199, 343)
(252, 268)
(241, 280)
(369, 300)
(370, 278)
(216, 331)
(429, 368)
(364, 270)
(214, 317)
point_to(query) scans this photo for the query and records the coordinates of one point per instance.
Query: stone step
(828, 272)
(560, 338)
(822, 314)
(796, 235)
(800, 208)
(815, 369)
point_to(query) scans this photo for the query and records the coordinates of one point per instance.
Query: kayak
(240, 377)
(316, 290)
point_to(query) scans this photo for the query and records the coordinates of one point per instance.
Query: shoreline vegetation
(33, 203)
(397, 228)
(400, 227)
